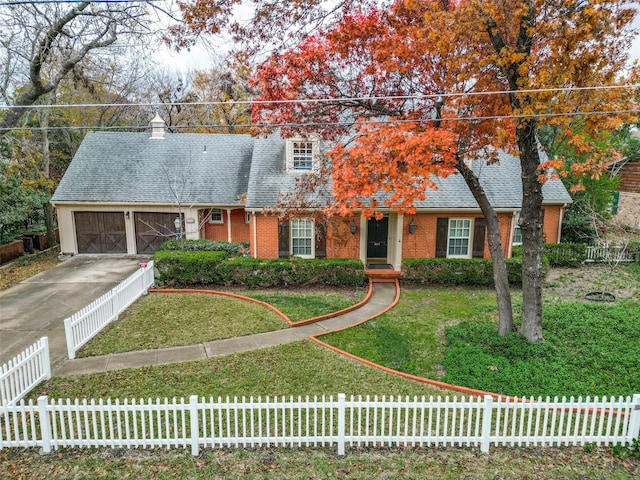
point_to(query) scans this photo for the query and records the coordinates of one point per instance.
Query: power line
(330, 124)
(304, 101)
(40, 2)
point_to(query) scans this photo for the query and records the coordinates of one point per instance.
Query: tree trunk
(500, 276)
(531, 218)
(48, 222)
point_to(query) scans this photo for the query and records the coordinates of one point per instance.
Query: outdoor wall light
(127, 215)
(412, 227)
(353, 227)
(177, 224)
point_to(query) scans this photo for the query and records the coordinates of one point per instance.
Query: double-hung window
(517, 231)
(302, 237)
(459, 238)
(301, 155)
(215, 216)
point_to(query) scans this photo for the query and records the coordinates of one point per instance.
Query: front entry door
(377, 234)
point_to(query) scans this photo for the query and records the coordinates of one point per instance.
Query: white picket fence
(336, 422)
(26, 370)
(611, 253)
(88, 322)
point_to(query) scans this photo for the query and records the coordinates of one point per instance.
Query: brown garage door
(153, 229)
(100, 232)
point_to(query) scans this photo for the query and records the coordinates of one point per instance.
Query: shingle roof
(208, 169)
(131, 167)
(500, 180)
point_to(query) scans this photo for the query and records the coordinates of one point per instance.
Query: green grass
(589, 349)
(409, 337)
(317, 463)
(302, 306)
(300, 368)
(161, 320)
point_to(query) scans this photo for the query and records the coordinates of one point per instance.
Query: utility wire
(40, 2)
(330, 124)
(328, 99)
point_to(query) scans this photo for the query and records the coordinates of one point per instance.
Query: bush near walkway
(189, 268)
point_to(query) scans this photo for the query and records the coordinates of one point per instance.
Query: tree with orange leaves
(417, 82)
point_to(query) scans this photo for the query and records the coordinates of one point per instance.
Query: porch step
(382, 275)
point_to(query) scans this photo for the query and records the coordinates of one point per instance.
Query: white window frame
(216, 221)
(292, 146)
(308, 225)
(469, 238)
(517, 230)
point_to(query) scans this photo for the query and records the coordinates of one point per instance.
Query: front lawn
(300, 368)
(300, 306)
(588, 350)
(410, 337)
(161, 320)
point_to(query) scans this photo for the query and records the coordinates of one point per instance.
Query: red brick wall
(340, 242)
(551, 223)
(219, 231)
(422, 244)
(267, 235)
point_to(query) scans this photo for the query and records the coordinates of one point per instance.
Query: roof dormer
(302, 154)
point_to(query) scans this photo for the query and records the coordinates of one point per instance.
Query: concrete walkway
(37, 307)
(382, 297)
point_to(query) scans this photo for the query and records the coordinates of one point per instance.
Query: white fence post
(486, 423)
(71, 345)
(46, 358)
(195, 425)
(341, 422)
(45, 423)
(634, 424)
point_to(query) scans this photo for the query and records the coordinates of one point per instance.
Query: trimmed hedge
(232, 248)
(561, 254)
(457, 271)
(181, 268)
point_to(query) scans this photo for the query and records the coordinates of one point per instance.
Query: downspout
(511, 234)
(255, 235)
(560, 220)
(229, 225)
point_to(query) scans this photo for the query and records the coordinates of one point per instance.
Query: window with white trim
(215, 216)
(459, 238)
(517, 231)
(302, 237)
(301, 155)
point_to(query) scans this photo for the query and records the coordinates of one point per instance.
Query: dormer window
(301, 155)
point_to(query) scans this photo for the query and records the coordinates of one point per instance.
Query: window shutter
(442, 231)
(479, 228)
(284, 237)
(321, 240)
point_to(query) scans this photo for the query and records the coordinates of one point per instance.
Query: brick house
(129, 192)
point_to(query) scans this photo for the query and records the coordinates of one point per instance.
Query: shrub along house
(123, 193)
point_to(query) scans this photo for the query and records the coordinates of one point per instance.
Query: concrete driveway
(38, 306)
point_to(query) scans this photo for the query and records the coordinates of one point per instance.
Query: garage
(100, 232)
(153, 229)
